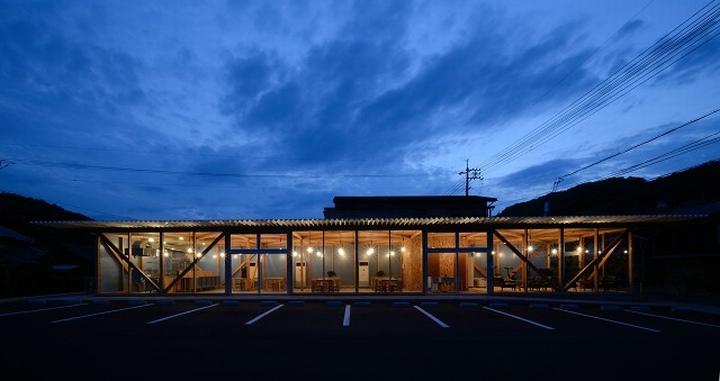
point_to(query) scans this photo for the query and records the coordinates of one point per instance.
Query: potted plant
(331, 273)
(381, 273)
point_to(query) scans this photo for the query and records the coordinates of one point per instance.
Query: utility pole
(470, 174)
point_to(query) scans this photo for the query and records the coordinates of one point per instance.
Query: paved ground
(86, 337)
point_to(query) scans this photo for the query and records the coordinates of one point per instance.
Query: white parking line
(346, 317)
(100, 313)
(41, 310)
(674, 319)
(262, 315)
(436, 320)
(182, 313)
(520, 318)
(608, 320)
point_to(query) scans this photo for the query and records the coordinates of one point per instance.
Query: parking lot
(347, 340)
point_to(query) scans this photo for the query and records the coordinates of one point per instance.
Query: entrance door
(442, 273)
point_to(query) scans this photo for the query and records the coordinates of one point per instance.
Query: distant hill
(55, 261)
(691, 190)
(18, 212)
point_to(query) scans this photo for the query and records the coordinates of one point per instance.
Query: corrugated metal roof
(370, 223)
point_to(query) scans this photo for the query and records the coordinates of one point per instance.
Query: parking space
(391, 317)
(441, 337)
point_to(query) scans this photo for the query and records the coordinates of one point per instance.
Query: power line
(713, 138)
(210, 174)
(563, 177)
(677, 44)
(455, 188)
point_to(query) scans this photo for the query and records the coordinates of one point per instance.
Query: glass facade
(422, 259)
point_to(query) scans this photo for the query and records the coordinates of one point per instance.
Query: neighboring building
(410, 206)
(18, 255)
(412, 245)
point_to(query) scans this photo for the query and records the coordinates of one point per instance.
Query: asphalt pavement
(275, 337)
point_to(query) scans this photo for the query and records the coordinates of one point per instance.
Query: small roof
(8, 234)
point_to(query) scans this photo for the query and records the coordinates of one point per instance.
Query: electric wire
(713, 138)
(554, 126)
(563, 177)
(18, 161)
(677, 44)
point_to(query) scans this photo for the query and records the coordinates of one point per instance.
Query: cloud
(264, 109)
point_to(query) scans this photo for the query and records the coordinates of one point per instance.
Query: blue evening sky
(180, 110)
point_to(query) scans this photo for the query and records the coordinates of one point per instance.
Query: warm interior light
(370, 251)
(310, 249)
(341, 251)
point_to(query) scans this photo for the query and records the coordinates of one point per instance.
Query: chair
(138, 281)
(382, 285)
(587, 284)
(239, 284)
(396, 285)
(333, 285)
(504, 282)
(608, 282)
(447, 284)
(544, 279)
(318, 285)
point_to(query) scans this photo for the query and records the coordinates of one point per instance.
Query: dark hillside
(18, 212)
(625, 196)
(54, 261)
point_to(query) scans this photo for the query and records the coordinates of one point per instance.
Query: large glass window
(473, 261)
(389, 260)
(323, 261)
(259, 263)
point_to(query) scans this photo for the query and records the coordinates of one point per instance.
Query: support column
(162, 263)
(489, 263)
(289, 265)
(630, 257)
(425, 266)
(561, 262)
(228, 264)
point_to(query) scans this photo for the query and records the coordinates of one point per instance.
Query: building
(410, 245)
(409, 207)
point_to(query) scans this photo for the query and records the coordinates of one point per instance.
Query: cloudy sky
(166, 109)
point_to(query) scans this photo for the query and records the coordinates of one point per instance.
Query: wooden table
(274, 283)
(331, 284)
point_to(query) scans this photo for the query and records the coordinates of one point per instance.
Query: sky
(196, 110)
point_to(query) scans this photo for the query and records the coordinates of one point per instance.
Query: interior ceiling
(372, 237)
